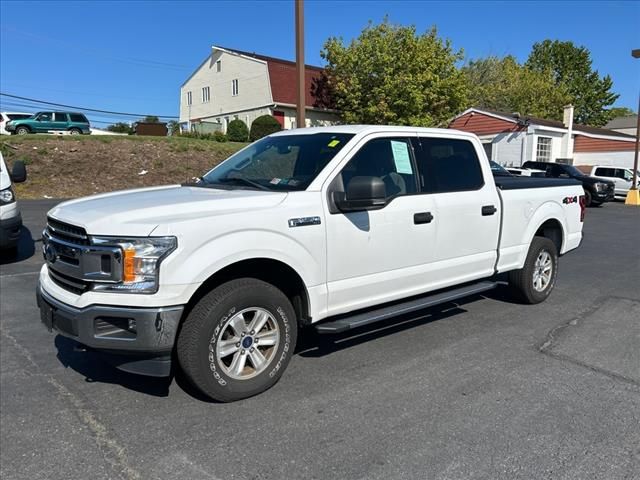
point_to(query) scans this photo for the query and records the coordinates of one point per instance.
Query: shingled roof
(555, 123)
(282, 75)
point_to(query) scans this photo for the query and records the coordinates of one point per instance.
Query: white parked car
(333, 227)
(526, 172)
(10, 218)
(622, 177)
(8, 116)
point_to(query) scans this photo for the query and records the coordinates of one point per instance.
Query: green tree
(263, 126)
(121, 127)
(392, 75)
(237, 131)
(150, 119)
(620, 112)
(570, 66)
(505, 85)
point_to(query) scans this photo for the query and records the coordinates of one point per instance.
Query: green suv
(44, 122)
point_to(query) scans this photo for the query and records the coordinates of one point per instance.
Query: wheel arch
(272, 271)
(553, 230)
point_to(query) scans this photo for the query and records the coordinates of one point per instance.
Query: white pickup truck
(333, 227)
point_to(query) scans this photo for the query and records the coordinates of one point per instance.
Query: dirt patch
(66, 167)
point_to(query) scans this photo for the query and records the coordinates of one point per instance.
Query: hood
(139, 212)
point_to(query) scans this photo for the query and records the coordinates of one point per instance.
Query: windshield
(282, 162)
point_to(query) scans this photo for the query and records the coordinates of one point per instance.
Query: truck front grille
(66, 232)
(74, 263)
(73, 285)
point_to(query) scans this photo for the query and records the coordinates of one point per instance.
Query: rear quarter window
(78, 118)
(17, 116)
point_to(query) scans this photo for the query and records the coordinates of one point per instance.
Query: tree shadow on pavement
(96, 368)
(25, 249)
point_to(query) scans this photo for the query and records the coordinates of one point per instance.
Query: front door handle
(488, 210)
(422, 217)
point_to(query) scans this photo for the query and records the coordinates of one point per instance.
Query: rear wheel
(22, 131)
(533, 283)
(75, 131)
(238, 339)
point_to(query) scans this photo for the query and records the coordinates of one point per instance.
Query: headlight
(141, 258)
(7, 196)
(600, 187)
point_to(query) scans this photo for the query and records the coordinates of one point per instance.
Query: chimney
(567, 138)
(568, 117)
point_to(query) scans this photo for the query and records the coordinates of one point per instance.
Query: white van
(622, 177)
(10, 219)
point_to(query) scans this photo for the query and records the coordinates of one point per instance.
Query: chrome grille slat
(74, 263)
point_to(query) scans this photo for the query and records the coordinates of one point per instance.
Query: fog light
(132, 327)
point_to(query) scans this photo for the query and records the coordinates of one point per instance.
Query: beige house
(231, 84)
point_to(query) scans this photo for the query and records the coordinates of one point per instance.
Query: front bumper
(10, 231)
(603, 196)
(139, 339)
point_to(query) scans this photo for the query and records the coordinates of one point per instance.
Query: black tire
(75, 131)
(22, 130)
(588, 200)
(522, 281)
(209, 323)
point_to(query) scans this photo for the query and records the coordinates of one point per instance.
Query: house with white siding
(231, 84)
(511, 139)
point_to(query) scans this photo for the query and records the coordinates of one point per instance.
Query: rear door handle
(488, 210)
(422, 217)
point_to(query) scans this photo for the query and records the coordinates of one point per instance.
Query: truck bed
(517, 183)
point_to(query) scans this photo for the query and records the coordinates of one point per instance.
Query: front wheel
(22, 131)
(238, 339)
(533, 283)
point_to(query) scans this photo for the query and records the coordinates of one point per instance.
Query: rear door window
(60, 117)
(448, 165)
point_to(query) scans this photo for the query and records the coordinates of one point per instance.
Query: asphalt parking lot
(485, 388)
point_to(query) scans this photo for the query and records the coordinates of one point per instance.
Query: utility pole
(300, 120)
(633, 197)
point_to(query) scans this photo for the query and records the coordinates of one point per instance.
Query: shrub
(219, 136)
(263, 126)
(237, 131)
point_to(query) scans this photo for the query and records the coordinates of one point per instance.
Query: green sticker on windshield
(333, 143)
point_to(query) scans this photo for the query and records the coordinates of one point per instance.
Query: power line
(84, 108)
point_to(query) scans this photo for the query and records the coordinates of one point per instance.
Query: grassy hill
(75, 166)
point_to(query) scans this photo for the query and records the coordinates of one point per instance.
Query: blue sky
(133, 56)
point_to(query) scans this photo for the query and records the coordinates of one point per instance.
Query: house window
(218, 65)
(189, 98)
(205, 95)
(234, 87)
(543, 149)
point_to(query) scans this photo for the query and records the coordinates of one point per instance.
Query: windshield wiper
(244, 181)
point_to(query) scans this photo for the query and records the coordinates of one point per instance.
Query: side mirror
(19, 172)
(363, 193)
